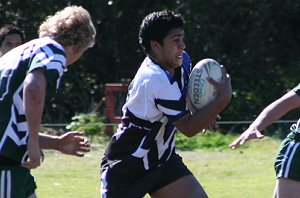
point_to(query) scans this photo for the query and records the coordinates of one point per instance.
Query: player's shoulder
(46, 44)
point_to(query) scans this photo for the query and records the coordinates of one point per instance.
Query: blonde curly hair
(72, 25)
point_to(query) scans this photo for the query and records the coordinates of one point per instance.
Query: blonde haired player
(29, 76)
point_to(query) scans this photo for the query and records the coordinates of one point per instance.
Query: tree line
(256, 40)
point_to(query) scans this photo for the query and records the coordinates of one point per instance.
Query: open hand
(249, 134)
(73, 143)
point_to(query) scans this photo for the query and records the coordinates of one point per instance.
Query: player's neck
(162, 65)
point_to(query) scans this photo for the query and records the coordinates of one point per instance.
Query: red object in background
(115, 97)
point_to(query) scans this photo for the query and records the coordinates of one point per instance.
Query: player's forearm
(48, 141)
(33, 117)
(190, 125)
(273, 112)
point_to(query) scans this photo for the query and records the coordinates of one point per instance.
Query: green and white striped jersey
(14, 66)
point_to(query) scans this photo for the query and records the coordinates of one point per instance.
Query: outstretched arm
(269, 115)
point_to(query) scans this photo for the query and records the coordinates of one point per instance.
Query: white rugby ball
(202, 92)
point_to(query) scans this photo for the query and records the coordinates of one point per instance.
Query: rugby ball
(202, 92)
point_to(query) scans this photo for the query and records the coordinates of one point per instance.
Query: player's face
(10, 41)
(172, 49)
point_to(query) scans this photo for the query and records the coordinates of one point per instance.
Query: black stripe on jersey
(19, 118)
(56, 50)
(129, 117)
(172, 104)
(168, 131)
(175, 105)
(177, 77)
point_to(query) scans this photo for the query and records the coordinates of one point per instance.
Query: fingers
(225, 77)
(246, 136)
(81, 141)
(213, 126)
(85, 143)
(235, 143)
(212, 81)
(80, 152)
(224, 73)
(32, 163)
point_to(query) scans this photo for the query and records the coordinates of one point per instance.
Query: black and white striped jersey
(155, 100)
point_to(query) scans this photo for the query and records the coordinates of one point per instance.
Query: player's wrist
(255, 128)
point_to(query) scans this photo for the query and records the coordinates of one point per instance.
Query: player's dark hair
(156, 27)
(11, 29)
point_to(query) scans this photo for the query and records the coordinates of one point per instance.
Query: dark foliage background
(256, 40)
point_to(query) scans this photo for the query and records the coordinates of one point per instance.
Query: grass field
(246, 172)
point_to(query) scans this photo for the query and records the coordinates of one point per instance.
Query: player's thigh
(187, 187)
(287, 188)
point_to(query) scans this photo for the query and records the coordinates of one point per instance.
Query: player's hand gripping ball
(200, 90)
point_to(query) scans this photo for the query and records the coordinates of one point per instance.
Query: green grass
(246, 172)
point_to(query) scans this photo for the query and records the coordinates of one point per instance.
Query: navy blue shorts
(125, 182)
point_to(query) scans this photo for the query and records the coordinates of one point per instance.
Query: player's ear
(76, 48)
(154, 44)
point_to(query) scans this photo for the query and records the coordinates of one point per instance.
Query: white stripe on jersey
(18, 101)
(162, 145)
(140, 152)
(168, 111)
